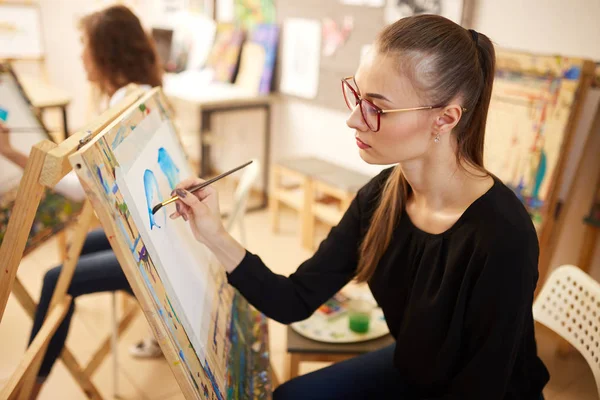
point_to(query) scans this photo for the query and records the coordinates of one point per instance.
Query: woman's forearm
(16, 157)
(227, 250)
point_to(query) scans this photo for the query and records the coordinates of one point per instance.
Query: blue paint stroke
(104, 184)
(151, 190)
(119, 137)
(572, 73)
(168, 167)
(539, 175)
(211, 377)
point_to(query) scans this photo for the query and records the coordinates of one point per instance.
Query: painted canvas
(254, 12)
(55, 211)
(532, 102)
(225, 54)
(267, 35)
(126, 170)
(18, 114)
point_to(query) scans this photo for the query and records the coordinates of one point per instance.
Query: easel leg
(64, 281)
(114, 347)
(35, 351)
(62, 244)
(27, 201)
(79, 375)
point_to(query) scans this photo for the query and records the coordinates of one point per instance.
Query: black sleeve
(294, 298)
(496, 318)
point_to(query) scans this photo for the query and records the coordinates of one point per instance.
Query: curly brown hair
(121, 50)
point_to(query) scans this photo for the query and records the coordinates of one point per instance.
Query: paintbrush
(200, 186)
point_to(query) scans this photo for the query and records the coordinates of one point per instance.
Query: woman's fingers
(188, 183)
(201, 194)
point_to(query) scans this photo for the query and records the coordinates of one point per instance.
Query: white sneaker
(147, 348)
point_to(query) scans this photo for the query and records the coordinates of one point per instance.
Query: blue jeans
(368, 376)
(97, 271)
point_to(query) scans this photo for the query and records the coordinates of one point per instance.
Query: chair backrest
(240, 197)
(569, 304)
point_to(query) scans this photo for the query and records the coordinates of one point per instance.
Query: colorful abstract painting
(267, 35)
(221, 341)
(250, 13)
(532, 103)
(54, 213)
(225, 54)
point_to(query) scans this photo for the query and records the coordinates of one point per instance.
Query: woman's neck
(438, 182)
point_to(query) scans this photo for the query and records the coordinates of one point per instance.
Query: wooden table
(213, 98)
(302, 349)
(44, 96)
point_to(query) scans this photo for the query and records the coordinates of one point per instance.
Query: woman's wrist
(228, 251)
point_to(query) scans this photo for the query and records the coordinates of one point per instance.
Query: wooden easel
(552, 229)
(47, 165)
(236, 331)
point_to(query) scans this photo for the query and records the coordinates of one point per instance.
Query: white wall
(544, 26)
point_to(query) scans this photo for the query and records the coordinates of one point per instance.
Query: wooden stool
(291, 185)
(302, 349)
(317, 189)
(332, 193)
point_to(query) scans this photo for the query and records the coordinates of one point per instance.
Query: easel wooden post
(47, 165)
(555, 218)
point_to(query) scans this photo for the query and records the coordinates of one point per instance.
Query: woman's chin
(368, 158)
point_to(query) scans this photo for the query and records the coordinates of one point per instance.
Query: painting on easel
(533, 102)
(127, 169)
(26, 129)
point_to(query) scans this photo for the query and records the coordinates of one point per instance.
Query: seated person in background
(117, 52)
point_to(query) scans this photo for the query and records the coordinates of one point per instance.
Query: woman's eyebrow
(371, 95)
(377, 96)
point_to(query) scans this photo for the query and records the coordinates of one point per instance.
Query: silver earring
(437, 138)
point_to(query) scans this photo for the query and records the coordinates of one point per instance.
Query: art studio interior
(318, 199)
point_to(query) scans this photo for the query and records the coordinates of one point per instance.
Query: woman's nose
(356, 121)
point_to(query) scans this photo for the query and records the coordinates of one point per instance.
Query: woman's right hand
(201, 210)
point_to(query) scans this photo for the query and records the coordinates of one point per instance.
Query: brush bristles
(156, 208)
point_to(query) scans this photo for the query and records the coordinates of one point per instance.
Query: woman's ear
(446, 120)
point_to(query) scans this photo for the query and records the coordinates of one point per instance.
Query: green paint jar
(359, 315)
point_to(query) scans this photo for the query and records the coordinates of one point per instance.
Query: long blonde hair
(451, 61)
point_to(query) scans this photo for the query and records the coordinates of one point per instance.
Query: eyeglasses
(370, 112)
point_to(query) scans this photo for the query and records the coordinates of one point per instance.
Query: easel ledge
(47, 165)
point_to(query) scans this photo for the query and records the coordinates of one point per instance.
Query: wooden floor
(152, 379)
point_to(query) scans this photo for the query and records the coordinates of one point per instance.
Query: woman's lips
(362, 145)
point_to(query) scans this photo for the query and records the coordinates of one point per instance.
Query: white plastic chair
(240, 199)
(569, 304)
